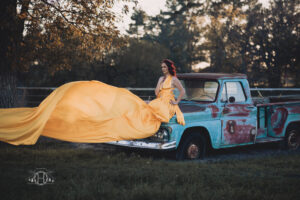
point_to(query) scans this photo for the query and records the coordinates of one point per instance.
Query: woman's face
(164, 68)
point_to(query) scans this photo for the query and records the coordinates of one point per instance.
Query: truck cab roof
(211, 76)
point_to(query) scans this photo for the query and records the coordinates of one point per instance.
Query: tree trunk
(274, 77)
(11, 31)
(8, 94)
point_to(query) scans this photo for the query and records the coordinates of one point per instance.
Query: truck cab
(220, 113)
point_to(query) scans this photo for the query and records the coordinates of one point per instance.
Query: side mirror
(231, 99)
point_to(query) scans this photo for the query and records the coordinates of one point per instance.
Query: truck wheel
(292, 140)
(192, 148)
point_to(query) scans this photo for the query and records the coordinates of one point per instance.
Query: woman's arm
(179, 86)
(158, 85)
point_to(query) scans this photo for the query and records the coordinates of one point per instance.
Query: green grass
(94, 174)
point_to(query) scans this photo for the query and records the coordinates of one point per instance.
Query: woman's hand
(173, 102)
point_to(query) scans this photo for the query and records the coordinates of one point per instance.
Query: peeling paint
(237, 110)
(278, 119)
(214, 110)
(237, 132)
(260, 132)
(294, 110)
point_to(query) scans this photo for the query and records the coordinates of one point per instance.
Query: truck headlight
(162, 135)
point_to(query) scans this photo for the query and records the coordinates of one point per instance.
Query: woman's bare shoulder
(175, 79)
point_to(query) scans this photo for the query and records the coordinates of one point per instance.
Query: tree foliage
(55, 34)
(139, 64)
(140, 19)
(57, 31)
(175, 30)
(76, 39)
(262, 42)
(277, 38)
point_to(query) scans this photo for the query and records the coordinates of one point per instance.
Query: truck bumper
(145, 145)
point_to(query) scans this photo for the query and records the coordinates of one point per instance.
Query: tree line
(232, 36)
(48, 43)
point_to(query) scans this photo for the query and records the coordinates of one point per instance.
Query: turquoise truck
(220, 113)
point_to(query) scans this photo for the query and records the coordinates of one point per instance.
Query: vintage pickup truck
(220, 113)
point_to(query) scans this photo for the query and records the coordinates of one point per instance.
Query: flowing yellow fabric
(164, 97)
(89, 111)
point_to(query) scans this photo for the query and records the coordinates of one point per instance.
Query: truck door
(238, 117)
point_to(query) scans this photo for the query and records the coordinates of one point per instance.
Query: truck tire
(292, 138)
(192, 148)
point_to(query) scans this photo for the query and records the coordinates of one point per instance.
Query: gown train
(89, 112)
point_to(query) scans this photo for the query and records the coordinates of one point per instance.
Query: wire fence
(33, 96)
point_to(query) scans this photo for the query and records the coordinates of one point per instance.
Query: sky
(151, 7)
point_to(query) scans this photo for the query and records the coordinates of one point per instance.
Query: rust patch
(235, 133)
(295, 110)
(230, 127)
(226, 111)
(214, 111)
(278, 120)
(237, 110)
(260, 131)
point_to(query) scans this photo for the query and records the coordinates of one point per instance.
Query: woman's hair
(171, 66)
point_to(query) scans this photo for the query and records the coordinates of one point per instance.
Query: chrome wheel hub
(293, 140)
(193, 151)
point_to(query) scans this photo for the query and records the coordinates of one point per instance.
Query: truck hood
(197, 111)
(193, 106)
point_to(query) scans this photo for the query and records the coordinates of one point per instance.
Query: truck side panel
(280, 116)
(213, 127)
(239, 117)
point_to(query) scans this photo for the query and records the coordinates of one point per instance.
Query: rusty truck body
(220, 113)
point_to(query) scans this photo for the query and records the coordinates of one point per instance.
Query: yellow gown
(89, 112)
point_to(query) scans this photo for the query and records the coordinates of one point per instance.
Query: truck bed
(276, 99)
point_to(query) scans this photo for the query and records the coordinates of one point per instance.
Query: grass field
(102, 174)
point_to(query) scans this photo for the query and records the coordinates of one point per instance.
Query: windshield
(200, 90)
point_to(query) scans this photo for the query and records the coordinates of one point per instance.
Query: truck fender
(198, 130)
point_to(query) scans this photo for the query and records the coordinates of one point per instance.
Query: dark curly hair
(171, 66)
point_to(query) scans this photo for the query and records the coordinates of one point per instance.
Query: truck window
(200, 90)
(233, 89)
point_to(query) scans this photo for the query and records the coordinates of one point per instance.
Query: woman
(168, 69)
(164, 89)
(93, 112)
